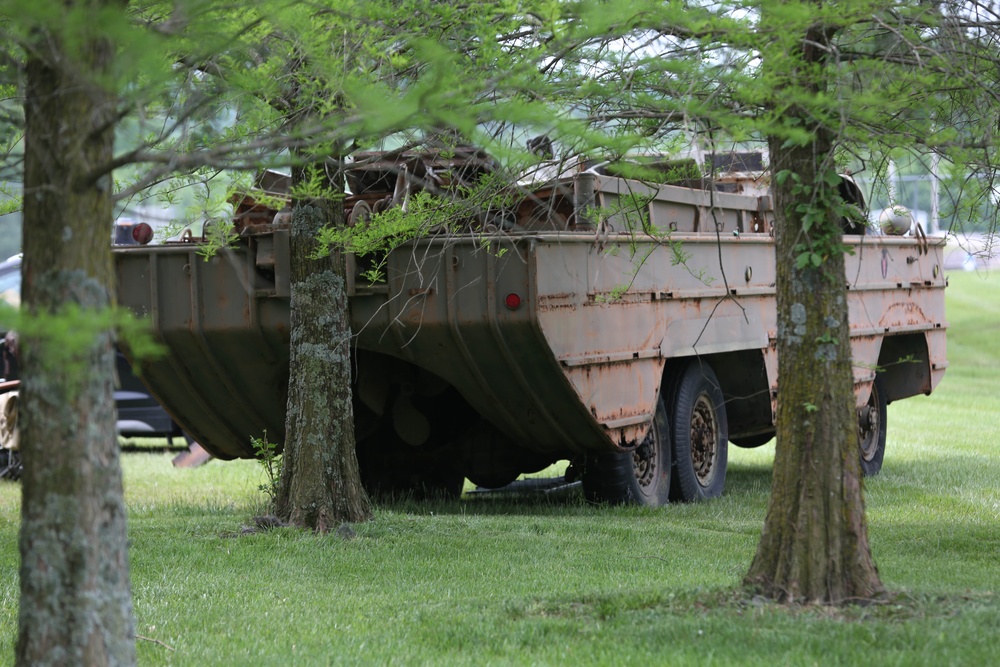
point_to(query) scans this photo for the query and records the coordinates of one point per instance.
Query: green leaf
(831, 178)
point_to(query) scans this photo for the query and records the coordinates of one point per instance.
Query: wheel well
(408, 416)
(904, 364)
(743, 379)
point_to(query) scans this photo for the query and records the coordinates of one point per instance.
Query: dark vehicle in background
(139, 414)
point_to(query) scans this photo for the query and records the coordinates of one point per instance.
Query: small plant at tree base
(270, 460)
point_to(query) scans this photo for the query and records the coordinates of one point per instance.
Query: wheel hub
(868, 427)
(704, 440)
(644, 459)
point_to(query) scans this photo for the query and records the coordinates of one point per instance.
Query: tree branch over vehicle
(828, 87)
(86, 70)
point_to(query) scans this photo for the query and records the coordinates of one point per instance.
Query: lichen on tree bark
(814, 546)
(320, 483)
(75, 598)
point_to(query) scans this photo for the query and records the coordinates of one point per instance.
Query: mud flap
(195, 456)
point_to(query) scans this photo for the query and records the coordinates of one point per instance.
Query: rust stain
(904, 313)
(551, 302)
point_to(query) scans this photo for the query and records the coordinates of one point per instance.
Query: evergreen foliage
(201, 87)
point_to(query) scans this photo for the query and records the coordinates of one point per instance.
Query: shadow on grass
(525, 504)
(737, 600)
(748, 480)
(743, 483)
(152, 445)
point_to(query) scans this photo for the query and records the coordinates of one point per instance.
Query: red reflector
(142, 233)
(512, 301)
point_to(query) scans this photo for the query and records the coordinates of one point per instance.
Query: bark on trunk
(320, 484)
(75, 603)
(814, 547)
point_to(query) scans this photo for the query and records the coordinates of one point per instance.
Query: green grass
(490, 581)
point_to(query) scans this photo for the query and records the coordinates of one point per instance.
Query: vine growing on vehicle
(816, 204)
(482, 207)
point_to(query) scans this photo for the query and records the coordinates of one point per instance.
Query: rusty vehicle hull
(504, 352)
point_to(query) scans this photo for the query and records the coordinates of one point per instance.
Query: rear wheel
(753, 441)
(872, 429)
(10, 465)
(700, 435)
(10, 454)
(390, 469)
(640, 477)
(423, 481)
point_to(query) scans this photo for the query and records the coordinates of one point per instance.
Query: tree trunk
(320, 484)
(75, 604)
(814, 547)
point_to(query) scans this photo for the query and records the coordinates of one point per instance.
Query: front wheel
(640, 477)
(10, 465)
(872, 429)
(700, 435)
(10, 454)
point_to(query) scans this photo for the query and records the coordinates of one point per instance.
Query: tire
(10, 465)
(419, 483)
(9, 427)
(872, 430)
(494, 481)
(700, 435)
(391, 469)
(10, 454)
(640, 477)
(753, 441)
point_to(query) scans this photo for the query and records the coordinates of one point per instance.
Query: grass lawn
(552, 581)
